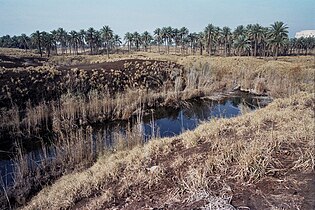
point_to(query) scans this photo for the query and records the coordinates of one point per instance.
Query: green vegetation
(251, 40)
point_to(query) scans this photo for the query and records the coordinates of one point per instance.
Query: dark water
(162, 122)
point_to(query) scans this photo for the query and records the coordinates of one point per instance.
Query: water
(188, 118)
(162, 122)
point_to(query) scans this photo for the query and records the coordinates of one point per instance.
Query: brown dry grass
(275, 141)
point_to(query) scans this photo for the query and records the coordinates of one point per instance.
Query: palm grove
(250, 40)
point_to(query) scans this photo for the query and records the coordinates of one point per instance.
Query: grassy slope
(206, 165)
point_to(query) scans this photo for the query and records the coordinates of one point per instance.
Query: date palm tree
(73, 41)
(116, 41)
(183, 32)
(177, 38)
(255, 32)
(209, 34)
(90, 38)
(226, 35)
(242, 45)
(128, 38)
(192, 37)
(136, 39)
(278, 34)
(146, 39)
(167, 34)
(81, 39)
(24, 42)
(239, 31)
(54, 34)
(98, 41)
(37, 41)
(107, 34)
(47, 41)
(158, 37)
(200, 41)
(62, 39)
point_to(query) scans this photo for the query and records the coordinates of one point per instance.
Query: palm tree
(98, 41)
(167, 35)
(36, 39)
(136, 39)
(264, 40)
(81, 39)
(216, 39)
(239, 31)
(107, 34)
(146, 39)
(47, 41)
(277, 36)
(255, 32)
(177, 38)
(200, 41)
(209, 33)
(226, 34)
(116, 41)
(309, 44)
(74, 41)
(183, 32)
(242, 45)
(90, 38)
(128, 38)
(54, 34)
(24, 41)
(192, 37)
(62, 38)
(292, 45)
(158, 37)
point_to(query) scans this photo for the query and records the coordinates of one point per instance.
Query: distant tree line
(250, 40)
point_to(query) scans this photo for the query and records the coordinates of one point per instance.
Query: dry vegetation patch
(222, 163)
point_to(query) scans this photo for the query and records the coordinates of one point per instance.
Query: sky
(27, 16)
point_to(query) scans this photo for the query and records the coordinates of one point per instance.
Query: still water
(162, 122)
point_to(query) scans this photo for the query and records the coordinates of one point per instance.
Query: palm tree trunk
(107, 50)
(225, 48)
(165, 43)
(255, 50)
(210, 46)
(276, 54)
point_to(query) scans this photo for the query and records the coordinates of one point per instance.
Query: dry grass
(245, 149)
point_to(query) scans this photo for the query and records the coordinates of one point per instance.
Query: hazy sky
(26, 16)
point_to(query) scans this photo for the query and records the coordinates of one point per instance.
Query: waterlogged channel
(162, 122)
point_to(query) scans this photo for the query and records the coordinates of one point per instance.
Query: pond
(161, 122)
